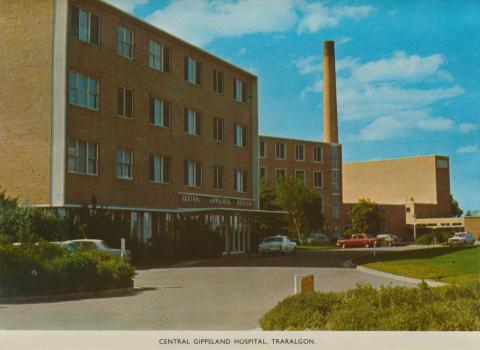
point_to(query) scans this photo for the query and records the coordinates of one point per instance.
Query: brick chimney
(330, 120)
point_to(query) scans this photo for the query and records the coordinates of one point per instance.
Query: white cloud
(467, 127)
(317, 16)
(399, 67)
(343, 40)
(201, 21)
(309, 64)
(468, 149)
(127, 5)
(392, 12)
(242, 51)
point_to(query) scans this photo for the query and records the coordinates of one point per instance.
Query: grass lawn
(445, 264)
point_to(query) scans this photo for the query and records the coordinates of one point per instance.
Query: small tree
(455, 211)
(303, 206)
(366, 217)
(269, 223)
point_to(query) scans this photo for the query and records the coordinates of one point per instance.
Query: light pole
(414, 227)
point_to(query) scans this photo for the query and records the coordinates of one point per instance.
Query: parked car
(359, 240)
(318, 239)
(95, 244)
(277, 244)
(461, 238)
(388, 239)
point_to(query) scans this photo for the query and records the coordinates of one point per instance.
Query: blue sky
(408, 72)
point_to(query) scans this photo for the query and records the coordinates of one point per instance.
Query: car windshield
(273, 239)
(460, 234)
(102, 245)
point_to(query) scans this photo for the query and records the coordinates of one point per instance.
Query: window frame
(243, 188)
(218, 170)
(239, 90)
(321, 154)
(302, 171)
(164, 180)
(217, 130)
(130, 165)
(124, 102)
(284, 151)
(166, 118)
(197, 116)
(313, 178)
(124, 43)
(297, 147)
(284, 170)
(240, 141)
(89, 26)
(218, 84)
(88, 144)
(195, 165)
(265, 148)
(87, 92)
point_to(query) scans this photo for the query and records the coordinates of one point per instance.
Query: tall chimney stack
(330, 120)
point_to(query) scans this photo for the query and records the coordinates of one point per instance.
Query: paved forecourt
(222, 294)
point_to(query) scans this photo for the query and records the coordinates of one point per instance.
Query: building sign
(304, 283)
(218, 201)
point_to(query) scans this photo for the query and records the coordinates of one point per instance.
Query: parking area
(229, 293)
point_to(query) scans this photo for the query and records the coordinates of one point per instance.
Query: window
(239, 90)
(159, 112)
(193, 173)
(318, 154)
(335, 207)
(124, 102)
(193, 122)
(280, 150)
(335, 156)
(218, 129)
(317, 179)
(239, 135)
(124, 164)
(300, 152)
(82, 157)
(240, 180)
(158, 57)
(218, 177)
(83, 91)
(263, 149)
(300, 175)
(335, 181)
(193, 71)
(280, 174)
(125, 42)
(263, 175)
(85, 26)
(159, 168)
(217, 81)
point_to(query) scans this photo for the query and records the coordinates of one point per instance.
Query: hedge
(448, 308)
(45, 268)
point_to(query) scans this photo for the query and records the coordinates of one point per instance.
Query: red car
(357, 241)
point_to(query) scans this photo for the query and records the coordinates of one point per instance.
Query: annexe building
(97, 103)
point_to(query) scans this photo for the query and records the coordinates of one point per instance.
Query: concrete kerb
(68, 296)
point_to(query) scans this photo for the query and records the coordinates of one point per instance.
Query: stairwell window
(124, 164)
(159, 112)
(83, 90)
(82, 157)
(85, 26)
(125, 42)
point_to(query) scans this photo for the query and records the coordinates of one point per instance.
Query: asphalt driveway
(230, 293)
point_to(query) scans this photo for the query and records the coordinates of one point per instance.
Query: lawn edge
(400, 278)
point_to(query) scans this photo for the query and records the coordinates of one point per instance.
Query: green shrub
(429, 238)
(36, 269)
(446, 308)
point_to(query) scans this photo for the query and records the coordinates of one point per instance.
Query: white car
(95, 244)
(277, 244)
(461, 238)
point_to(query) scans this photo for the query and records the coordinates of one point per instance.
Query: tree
(303, 206)
(366, 217)
(469, 213)
(267, 224)
(455, 208)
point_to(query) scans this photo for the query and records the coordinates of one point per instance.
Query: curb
(188, 263)
(400, 278)
(68, 296)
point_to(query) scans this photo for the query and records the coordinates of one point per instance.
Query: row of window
(85, 26)
(281, 173)
(281, 151)
(84, 93)
(83, 159)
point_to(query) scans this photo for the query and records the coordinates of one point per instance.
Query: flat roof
(141, 21)
(295, 139)
(398, 158)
